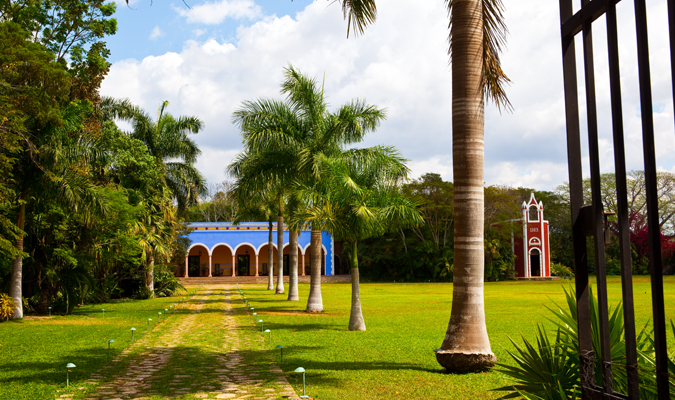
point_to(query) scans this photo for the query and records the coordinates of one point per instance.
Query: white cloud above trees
(400, 64)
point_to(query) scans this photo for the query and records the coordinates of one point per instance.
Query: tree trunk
(466, 346)
(314, 300)
(356, 322)
(270, 256)
(293, 294)
(17, 266)
(150, 275)
(280, 254)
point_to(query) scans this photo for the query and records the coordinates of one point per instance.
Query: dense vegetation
(87, 212)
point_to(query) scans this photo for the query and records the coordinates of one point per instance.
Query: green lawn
(405, 322)
(392, 359)
(35, 350)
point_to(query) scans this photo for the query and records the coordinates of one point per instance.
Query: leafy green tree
(358, 200)
(167, 139)
(477, 34)
(286, 138)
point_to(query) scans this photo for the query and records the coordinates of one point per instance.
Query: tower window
(533, 214)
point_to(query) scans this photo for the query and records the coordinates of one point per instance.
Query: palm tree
(360, 197)
(157, 230)
(477, 34)
(288, 137)
(167, 139)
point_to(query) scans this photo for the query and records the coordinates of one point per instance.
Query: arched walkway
(197, 261)
(245, 260)
(221, 259)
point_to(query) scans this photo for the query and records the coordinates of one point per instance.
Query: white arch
(304, 250)
(535, 242)
(263, 245)
(243, 244)
(221, 244)
(535, 248)
(299, 246)
(199, 244)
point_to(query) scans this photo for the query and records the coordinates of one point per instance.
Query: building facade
(224, 249)
(532, 250)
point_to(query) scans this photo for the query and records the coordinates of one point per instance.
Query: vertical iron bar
(576, 202)
(597, 208)
(654, 234)
(671, 32)
(622, 204)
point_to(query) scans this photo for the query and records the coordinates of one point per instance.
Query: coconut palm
(288, 137)
(477, 34)
(359, 197)
(167, 139)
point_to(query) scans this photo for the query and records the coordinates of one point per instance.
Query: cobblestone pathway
(199, 353)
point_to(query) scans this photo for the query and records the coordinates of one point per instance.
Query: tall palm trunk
(356, 322)
(280, 253)
(293, 266)
(150, 274)
(270, 256)
(17, 266)
(314, 300)
(466, 346)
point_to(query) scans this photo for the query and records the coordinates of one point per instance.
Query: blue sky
(206, 59)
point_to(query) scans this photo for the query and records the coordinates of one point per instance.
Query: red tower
(533, 254)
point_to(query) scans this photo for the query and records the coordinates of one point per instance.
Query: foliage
(543, 372)
(166, 284)
(558, 269)
(7, 306)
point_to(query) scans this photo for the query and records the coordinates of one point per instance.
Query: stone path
(200, 353)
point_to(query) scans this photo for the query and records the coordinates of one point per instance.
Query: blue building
(224, 249)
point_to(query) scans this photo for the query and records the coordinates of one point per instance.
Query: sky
(208, 56)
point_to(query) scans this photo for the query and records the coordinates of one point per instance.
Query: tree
(477, 34)
(288, 137)
(357, 200)
(168, 140)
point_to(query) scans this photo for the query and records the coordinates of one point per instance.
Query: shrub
(166, 283)
(559, 269)
(543, 371)
(7, 306)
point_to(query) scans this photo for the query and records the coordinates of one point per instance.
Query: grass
(35, 350)
(392, 359)
(405, 322)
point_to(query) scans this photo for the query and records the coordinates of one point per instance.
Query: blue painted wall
(211, 234)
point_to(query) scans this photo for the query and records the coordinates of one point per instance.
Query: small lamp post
(132, 334)
(103, 312)
(149, 319)
(281, 350)
(159, 317)
(261, 324)
(50, 311)
(298, 370)
(109, 343)
(68, 367)
(270, 336)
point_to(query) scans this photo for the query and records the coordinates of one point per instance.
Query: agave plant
(550, 370)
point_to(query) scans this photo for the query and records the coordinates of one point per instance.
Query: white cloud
(156, 33)
(216, 12)
(198, 32)
(401, 64)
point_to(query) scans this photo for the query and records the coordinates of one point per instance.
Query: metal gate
(590, 220)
